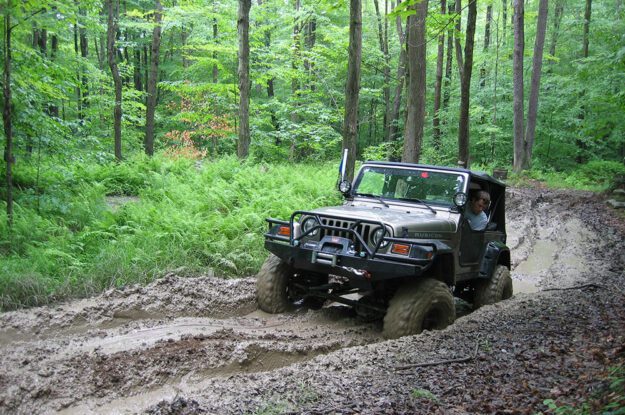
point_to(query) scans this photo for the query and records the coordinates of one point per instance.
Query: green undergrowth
(597, 176)
(69, 240)
(609, 399)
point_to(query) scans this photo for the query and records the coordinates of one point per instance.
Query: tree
(465, 87)
(436, 130)
(7, 112)
(243, 25)
(517, 74)
(152, 91)
(532, 110)
(352, 86)
(586, 41)
(112, 7)
(393, 118)
(415, 105)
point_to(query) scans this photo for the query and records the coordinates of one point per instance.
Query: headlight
(377, 236)
(308, 224)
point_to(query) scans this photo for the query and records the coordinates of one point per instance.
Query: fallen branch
(442, 362)
(575, 287)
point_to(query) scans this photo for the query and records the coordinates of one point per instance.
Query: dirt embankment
(200, 345)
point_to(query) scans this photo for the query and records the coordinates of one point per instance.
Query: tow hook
(358, 272)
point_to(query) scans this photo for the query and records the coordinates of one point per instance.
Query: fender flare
(496, 253)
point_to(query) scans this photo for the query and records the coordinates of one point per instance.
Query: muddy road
(200, 345)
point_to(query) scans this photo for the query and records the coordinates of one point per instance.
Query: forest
(147, 136)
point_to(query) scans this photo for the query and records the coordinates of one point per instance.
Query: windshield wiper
(378, 198)
(413, 199)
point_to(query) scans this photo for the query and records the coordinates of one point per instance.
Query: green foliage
(424, 394)
(183, 215)
(610, 400)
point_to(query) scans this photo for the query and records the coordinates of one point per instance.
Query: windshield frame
(407, 169)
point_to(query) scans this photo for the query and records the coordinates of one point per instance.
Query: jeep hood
(412, 219)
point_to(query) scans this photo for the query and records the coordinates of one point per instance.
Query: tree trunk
(517, 75)
(489, 20)
(243, 25)
(215, 34)
(504, 19)
(557, 19)
(415, 105)
(532, 110)
(152, 89)
(113, 13)
(465, 87)
(401, 75)
(295, 65)
(587, 13)
(436, 130)
(449, 61)
(7, 113)
(386, 90)
(310, 37)
(352, 87)
(458, 5)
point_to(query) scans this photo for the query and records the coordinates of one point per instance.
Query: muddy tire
(498, 288)
(271, 285)
(418, 306)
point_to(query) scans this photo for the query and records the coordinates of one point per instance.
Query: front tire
(417, 306)
(271, 285)
(491, 291)
(277, 287)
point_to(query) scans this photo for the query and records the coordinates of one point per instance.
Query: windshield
(418, 185)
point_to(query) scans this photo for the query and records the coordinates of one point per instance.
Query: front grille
(362, 229)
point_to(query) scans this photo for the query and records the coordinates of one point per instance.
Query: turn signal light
(400, 249)
(284, 231)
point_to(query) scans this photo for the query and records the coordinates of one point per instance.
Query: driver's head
(480, 201)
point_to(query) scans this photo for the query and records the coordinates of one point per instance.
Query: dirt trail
(199, 345)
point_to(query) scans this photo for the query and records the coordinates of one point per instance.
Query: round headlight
(345, 186)
(377, 236)
(308, 224)
(460, 199)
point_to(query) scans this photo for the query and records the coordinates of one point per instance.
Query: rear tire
(491, 291)
(417, 306)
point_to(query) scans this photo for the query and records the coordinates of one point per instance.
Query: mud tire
(417, 306)
(491, 291)
(271, 285)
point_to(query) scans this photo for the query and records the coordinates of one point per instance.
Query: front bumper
(347, 255)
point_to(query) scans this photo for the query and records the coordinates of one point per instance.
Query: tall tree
(436, 129)
(393, 118)
(352, 86)
(386, 91)
(557, 19)
(465, 87)
(587, 13)
(532, 110)
(112, 8)
(7, 112)
(243, 25)
(415, 95)
(517, 75)
(152, 89)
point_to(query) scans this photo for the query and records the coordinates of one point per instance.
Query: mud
(200, 345)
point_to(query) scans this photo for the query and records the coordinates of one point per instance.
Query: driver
(475, 213)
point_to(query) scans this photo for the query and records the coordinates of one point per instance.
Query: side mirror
(345, 187)
(460, 199)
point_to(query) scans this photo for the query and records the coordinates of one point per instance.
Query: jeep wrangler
(400, 247)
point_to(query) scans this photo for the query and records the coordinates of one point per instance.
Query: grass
(191, 217)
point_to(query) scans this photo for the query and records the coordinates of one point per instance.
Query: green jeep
(400, 247)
